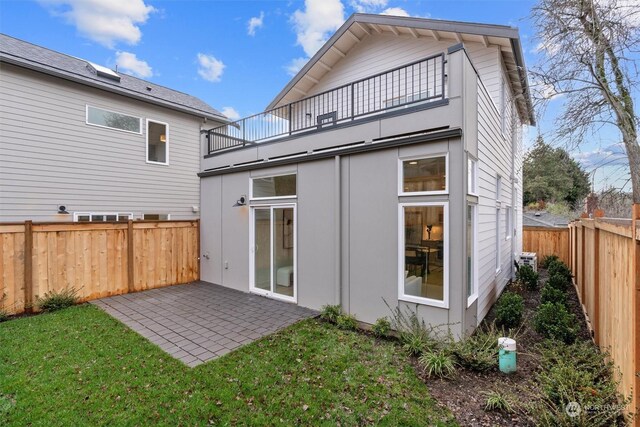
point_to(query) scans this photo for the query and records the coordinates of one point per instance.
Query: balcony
(413, 84)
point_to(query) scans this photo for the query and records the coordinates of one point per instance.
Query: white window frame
(472, 178)
(498, 188)
(252, 278)
(508, 221)
(474, 295)
(401, 160)
(91, 214)
(498, 247)
(166, 143)
(401, 256)
(86, 119)
(251, 197)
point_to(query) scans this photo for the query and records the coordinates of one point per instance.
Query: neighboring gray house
(105, 145)
(544, 219)
(388, 169)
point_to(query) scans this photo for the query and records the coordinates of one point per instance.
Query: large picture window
(423, 175)
(423, 253)
(274, 187)
(113, 120)
(157, 142)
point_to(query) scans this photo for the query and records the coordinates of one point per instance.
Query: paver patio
(200, 321)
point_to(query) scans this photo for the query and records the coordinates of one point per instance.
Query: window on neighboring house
(423, 253)
(472, 266)
(425, 175)
(101, 216)
(272, 187)
(472, 176)
(113, 120)
(156, 217)
(157, 142)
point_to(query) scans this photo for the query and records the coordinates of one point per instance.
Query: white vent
(101, 71)
(530, 259)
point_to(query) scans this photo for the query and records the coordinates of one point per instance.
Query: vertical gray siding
(49, 156)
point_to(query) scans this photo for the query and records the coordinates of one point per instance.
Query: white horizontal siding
(49, 156)
(494, 158)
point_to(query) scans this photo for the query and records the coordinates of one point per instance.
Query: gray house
(102, 145)
(388, 169)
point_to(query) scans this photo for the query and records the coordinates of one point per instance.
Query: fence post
(28, 266)
(635, 222)
(130, 256)
(595, 323)
(583, 267)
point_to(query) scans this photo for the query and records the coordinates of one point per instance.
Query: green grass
(79, 366)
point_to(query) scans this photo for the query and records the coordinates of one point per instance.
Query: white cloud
(613, 155)
(255, 23)
(104, 21)
(368, 6)
(210, 68)
(316, 23)
(295, 65)
(395, 11)
(130, 63)
(231, 113)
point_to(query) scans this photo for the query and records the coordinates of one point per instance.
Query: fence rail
(420, 81)
(96, 259)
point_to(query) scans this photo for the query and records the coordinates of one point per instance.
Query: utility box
(530, 259)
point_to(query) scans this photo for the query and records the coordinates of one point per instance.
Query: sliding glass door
(273, 251)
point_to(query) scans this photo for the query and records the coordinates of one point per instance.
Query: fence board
(96, 259)
(546, 241)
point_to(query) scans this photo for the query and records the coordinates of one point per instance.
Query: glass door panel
(262, 249)
(283, 251)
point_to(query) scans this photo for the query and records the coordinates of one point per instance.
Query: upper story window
(113, 120)
(424, 175)
(472, 176)
(272, 187)
(157, 142)
(498, 188)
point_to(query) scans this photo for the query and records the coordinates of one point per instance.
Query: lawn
(79, 366)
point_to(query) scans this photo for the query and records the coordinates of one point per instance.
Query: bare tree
(587, 54)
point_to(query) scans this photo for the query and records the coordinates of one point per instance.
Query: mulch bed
(465, 394)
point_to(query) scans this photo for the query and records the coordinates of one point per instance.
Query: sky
(236, 55)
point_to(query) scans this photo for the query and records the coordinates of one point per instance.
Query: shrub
(347, 322)
(558, 267)
(498, 402)
(577, 373)
(437, 364)
(330, 313)
(381, 328)
(509, 310)
(479, 352)
(414, 334)
(547, 260)
(528, 277)
(57, 300)
(559, 281)
(553, 320)
(552, 294)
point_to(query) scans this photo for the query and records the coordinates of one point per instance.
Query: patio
(200, 321)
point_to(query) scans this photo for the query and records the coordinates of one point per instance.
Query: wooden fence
(96, 259)
(605, 260)
(546, 241)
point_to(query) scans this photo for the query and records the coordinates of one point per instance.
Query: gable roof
(27, 55)
(361, 25)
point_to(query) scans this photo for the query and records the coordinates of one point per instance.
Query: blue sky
(237, 55)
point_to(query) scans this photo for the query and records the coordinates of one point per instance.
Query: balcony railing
(419, 82)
